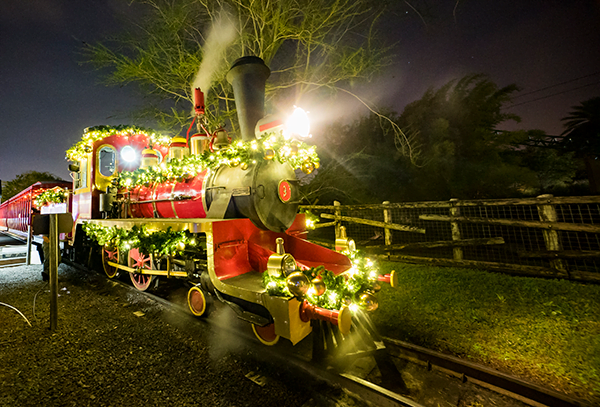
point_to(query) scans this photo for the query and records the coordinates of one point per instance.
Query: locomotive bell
(221, 141)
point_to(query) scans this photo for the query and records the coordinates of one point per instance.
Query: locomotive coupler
(342, 317)
(391, 279)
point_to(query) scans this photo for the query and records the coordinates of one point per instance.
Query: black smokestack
(248, 76)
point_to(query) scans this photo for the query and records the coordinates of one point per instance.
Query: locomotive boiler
(221, 214)
(264, 192)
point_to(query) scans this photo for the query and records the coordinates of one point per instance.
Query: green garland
(239, 153)
(343, 289)
(161, 243)
(92, 134)
(54, 195)
(311, 218)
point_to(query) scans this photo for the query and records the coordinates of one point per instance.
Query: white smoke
(222, 33)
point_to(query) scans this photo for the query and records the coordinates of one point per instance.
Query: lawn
(546, 331)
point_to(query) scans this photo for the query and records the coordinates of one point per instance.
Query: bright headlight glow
(298, 124)
(128, 154)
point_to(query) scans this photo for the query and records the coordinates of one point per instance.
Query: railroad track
(483, 376)
(12, 261)
(464, 371)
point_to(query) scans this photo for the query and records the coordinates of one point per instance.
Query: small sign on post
(52, 225)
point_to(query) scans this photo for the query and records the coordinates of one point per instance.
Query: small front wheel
(266, 334)
(199, 302)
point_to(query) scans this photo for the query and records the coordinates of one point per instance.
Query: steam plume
(222, 33)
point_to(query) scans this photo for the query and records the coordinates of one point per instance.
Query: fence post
(387, 218)
(547, 213)
(338, 223)
(454, 226)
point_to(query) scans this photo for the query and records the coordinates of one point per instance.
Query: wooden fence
(544, 236)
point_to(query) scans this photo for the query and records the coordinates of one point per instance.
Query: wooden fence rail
(544, 236)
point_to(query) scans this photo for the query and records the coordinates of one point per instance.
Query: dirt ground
(111, 352)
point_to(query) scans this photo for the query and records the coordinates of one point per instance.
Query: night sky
(551, 49)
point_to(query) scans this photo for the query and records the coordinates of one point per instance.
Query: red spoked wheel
(266, 334)
(198, 302)
(110, 253)
(142, 262)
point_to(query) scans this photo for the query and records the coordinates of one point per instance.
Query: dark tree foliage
(360, 162)
(25, 180)
(582, 137)
(463, 154)
(582, 128)
(555, 170)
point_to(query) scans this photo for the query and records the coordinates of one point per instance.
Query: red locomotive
(219, 213)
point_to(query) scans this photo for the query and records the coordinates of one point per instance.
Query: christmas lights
(92, 134)
(158, 243)
(310, 218)
(239, 153)
(348, 288)
(48, 196)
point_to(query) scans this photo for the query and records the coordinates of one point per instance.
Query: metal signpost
(52, 225)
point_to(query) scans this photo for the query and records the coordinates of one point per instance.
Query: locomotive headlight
(128, 154)
(298, 124)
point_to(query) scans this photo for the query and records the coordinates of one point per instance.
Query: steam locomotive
(221, 214)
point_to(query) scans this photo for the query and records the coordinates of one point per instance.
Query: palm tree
(582, 136)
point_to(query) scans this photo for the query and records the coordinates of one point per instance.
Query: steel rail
(481, 375)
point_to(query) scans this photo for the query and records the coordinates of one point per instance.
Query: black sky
(47, 98)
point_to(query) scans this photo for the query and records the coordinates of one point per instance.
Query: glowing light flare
(297, 124)
(128, 154)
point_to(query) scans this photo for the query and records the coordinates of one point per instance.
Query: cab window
(107, 161)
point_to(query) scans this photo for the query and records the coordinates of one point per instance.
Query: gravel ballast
(113, 350)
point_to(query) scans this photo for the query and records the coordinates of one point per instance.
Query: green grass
(543, 330)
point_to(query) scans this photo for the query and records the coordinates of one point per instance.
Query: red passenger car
(16, 212)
